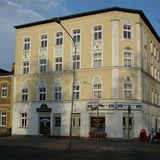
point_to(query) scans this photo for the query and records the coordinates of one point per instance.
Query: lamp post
(57, 20)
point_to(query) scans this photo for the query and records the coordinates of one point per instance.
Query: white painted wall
(113, 118)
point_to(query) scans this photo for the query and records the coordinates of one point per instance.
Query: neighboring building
(117, 64)
(6, 79)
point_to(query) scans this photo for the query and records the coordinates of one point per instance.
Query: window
(152, 96)
(24, 94)
(145, 60)
(23, 120)
(43, 41)
(76, 94)
(154, 51)
(76, 35)
(128, 86)
(3, 119)
(43, 65)
(59, 38)
(155, 98)
(57, 90)
(155, 73)
(151, 69)
(57, 122)
(26, 43)
(4, 90)
(97, 60)
(127, 57)
(97, 32)
(58, 64)
(25, 67)
(127, 31)
(151, 47)
(97, 88)
(76, 62)
(145, 91)
(42, 91)
(158, 75)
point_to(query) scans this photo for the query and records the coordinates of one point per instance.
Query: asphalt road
(32, 153)
(46, 148)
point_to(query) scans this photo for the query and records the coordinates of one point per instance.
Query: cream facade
(117, 65)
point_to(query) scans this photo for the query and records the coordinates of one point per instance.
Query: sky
(16, 12)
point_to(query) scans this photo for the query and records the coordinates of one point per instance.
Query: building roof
(140, 12)
(4, 72)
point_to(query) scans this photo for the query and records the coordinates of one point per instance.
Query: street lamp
(57, 20)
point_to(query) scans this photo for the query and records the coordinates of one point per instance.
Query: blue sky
(15, 12)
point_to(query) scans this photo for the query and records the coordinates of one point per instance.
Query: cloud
(16, 10)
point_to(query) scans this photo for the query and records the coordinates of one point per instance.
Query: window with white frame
(158, 55)
(58, 63)
(76, 93)
(155, 98)
(25, 67)
(3, 119)
(27, 42)
(76, 61)
(97, 88)
(23, 120)
(154, 51)
(152, 96)
(158, 78)
(97, 32)
(159, 99)
(76, 35)
(145, 91)
(97, 59)
(57, 122)
(128, 88)
(24, 94)
(4, 90)
(151, 47)
(59, 38)
(145, 60)
(42, 91)
(57, 90)
(127, 57)
(155, 72)
(43, 65)
(151, 69)
(43, 43)
(127, 31)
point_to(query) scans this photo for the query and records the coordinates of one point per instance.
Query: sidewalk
(61, 143)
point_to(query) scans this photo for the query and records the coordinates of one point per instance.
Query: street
(29, 153)
(42, 148)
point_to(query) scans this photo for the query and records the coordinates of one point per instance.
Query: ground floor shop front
(103, 119)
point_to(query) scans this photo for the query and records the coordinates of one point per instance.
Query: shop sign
(98, 122)
(44, 108)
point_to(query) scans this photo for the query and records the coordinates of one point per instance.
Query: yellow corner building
(117, 76)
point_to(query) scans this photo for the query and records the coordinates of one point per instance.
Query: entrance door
(45, 125)
(76, 123)
(128, 126)
(57, 124)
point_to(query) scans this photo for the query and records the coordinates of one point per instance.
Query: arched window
(128, 57)
(42, 90)
(24, 92)
(97, 88)
(128, 88)
(57, 90)
(76, 94)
